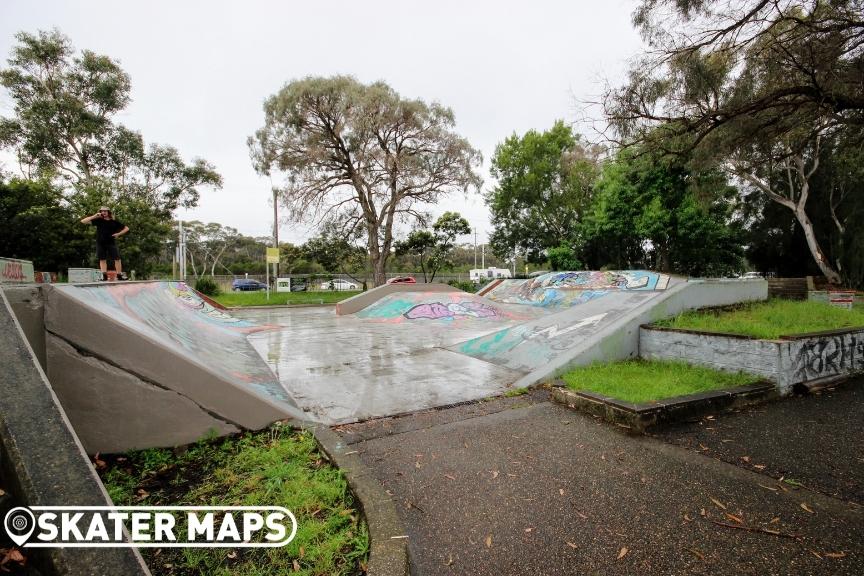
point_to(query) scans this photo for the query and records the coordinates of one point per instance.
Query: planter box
(787, 362)
(641, 417)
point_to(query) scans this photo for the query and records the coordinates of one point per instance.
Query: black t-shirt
(105, 229)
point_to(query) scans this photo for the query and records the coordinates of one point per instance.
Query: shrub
(207, 286)
(465, 285)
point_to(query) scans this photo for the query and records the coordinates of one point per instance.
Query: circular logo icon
(19, 523)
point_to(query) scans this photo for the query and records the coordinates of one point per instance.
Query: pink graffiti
(437, 310)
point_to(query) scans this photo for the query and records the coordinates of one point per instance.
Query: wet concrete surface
(344, 369)
(814, 441)
(524, 486)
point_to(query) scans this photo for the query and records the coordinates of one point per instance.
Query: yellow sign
(272, 255)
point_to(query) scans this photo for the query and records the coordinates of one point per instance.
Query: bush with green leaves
(207, 286)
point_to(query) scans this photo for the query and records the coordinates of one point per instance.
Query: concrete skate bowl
(147, 364)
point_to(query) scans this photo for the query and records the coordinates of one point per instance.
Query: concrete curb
(388, 550)
(638, 418)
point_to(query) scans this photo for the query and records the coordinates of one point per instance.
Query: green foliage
(545, 185)
(645, 381)
(39, 225)
(657, 213)
(770, 319)
(433, 249)
(277, 466)
(464, 285)
(563, 258)
(63, 129)
(207, 286)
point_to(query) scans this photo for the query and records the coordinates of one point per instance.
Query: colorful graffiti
(438, 310)
(174, 315)
(564, 289)
(445, 306)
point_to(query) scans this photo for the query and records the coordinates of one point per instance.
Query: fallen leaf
(702, 512)
(703, 447)
(768, 487)
(623, 552)
(687, 518)
(584, 517)
(734, 518)
(835, 554)
(745, 458)
(302, 551)
(449, 560)
(572, 545)
(449, 476)
(807, 508)
(718, 503)
(697, 553)
(489, 541)
(418, 465)
(2, 493)
(816, 554)
(232, 554)
(774, 520)
(14, 556)
(561, 491)
(759, 466)
(494, 473)
(296, 565)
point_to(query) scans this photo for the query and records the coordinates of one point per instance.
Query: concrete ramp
(602, 329)
(455, 307)
(145, 364)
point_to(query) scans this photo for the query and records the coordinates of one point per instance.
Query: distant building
(483, 274)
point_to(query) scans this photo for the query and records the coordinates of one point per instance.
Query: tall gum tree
(752, 85)
(362, 156)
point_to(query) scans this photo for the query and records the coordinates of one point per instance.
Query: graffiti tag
(438, 310)
(829, 356)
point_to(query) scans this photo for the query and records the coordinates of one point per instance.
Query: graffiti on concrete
(564, 289)
(450, 310)
(15, 271)
(829, 356)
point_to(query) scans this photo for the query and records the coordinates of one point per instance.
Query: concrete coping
(388, 550)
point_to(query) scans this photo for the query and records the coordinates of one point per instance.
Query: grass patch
(232, 299)
(641, 381)
(513, 392)
(770, 319)
(279, 466)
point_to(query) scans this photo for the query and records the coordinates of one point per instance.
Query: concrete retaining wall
(785, 362)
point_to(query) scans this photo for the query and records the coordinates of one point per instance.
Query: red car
(402, 280)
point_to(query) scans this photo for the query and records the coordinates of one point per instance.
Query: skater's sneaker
(122, 276)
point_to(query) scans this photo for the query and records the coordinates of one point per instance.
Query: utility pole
(475, 248)
(275, 228)
(483, 248)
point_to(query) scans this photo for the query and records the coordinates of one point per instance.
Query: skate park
(166, 366)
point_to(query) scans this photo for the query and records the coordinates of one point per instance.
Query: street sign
(272, 255)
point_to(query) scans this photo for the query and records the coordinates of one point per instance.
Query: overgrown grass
(232, 299)
(770, 319)
(279, 466)
(641, 381)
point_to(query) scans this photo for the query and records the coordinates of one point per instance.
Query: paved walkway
(525, 486)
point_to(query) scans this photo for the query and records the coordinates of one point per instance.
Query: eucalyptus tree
(361, 155)
(755, 85)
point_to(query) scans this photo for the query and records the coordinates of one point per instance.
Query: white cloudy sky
(201, 69)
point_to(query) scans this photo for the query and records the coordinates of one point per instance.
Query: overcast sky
(201, 71)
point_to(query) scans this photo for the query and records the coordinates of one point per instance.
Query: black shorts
(107, 252)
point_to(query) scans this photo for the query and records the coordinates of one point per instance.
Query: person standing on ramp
(107, 231)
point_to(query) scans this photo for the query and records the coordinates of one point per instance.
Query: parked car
(299, 286)
(247, 285)
(751, 275)
(402, 280)
(338, 284)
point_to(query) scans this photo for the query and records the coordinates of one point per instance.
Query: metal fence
(322, 281)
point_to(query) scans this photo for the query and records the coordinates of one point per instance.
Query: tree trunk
(379, 269)
(829, 272)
